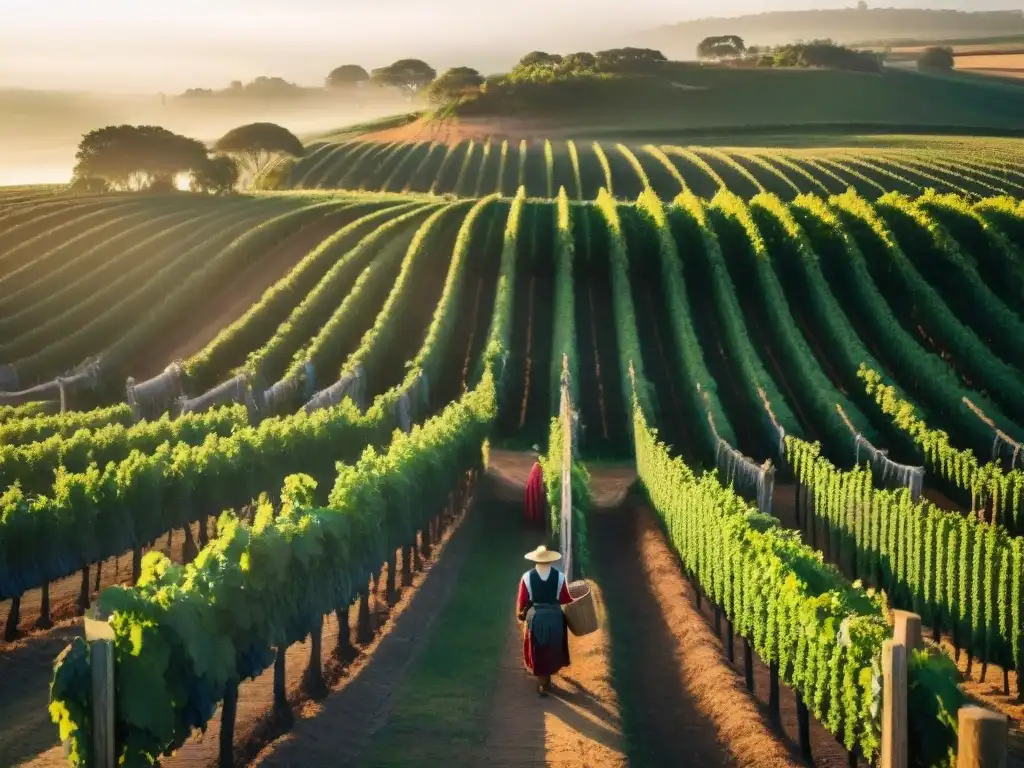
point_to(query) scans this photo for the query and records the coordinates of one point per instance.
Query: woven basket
(581, 613)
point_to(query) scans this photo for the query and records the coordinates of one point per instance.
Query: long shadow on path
(663, 724)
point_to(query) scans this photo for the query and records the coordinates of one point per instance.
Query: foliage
(989, 485)
(185, 634)
(133, 157)
(32, 428)
(955, 571)
(824, 634)
(937, 58)
(258, 143)
(825, 53)
(347, 76)
(218, 175)
(455, 85)
(88, 185)
(407, 74)
(721, 47)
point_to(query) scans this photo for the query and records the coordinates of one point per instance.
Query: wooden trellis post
(100, 637)
(894, 705)
(982, 738)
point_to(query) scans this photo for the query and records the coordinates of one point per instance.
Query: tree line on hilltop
(149, 158)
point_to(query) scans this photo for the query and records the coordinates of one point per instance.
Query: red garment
(536, 498)
(544, 660)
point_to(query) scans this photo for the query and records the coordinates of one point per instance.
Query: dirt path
(663, 724)
(579, 723)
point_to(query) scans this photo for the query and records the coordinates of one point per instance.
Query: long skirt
(546, 640)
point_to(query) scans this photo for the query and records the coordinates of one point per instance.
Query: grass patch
(442, 710)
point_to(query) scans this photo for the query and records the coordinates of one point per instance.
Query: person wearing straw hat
(534, 505)
(542, 593)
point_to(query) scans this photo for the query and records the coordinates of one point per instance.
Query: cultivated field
(999, 64)
(834, 332)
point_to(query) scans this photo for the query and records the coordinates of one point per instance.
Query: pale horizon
(120, 46)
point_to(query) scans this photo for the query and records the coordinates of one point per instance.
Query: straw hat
(543, 555)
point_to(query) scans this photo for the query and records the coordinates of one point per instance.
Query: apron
(545, 625)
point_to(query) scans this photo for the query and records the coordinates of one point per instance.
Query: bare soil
(227, 303)
(669, 717)
(704, 671)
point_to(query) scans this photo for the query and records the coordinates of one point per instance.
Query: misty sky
(150, 46)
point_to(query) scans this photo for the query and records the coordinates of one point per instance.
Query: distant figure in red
(542, 592)
(536, 498)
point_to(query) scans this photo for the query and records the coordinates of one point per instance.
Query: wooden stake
(773, 692)
(100, 637)
(282, 711)
(803, 719)
(390, 592)
(907, 630)
(894, 705)
(44, 621)
(982, 735)
(748, 664)
(314, 672)
(227, 725)
(363, 632)
(729, 649)
(13, 616)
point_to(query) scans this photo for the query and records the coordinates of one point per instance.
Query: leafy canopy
(408, 74)
(257, 143)
(936, 57)
(218, 175)
(347, 76)
(134, 157)
(454, 85)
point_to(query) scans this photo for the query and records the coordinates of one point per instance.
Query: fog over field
(68, 66)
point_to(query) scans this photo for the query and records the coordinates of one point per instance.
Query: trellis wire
(351, 385)
(742, 473)
(150, 398)
(891, 474)
(235, 390)
(1003, 446)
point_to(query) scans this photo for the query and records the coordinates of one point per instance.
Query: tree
(936, 58)
(271, 88)
(455, 85)
(88, 185)
(721, 47)
(347, 76)
(578, 62)
(257, 143)
(630, 60)
(407, 74)
(218, 175)
(136, 157)
(540, 59)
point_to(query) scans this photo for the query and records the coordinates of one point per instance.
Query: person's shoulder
(526, 576)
